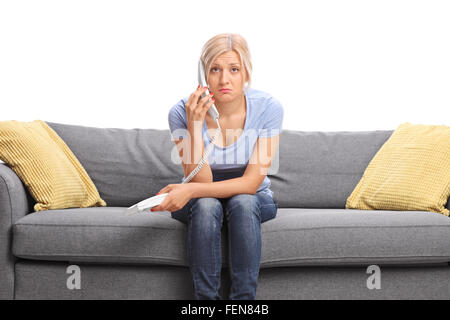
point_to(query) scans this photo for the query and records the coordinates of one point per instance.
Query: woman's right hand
(196, 109)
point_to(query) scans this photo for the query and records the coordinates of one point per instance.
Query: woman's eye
(213, 69)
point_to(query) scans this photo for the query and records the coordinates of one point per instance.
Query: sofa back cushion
(313, 170)
(321, 169)
(126, 165)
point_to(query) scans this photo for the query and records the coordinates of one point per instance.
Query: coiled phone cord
(205, 155)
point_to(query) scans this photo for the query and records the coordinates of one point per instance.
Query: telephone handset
(156, 200)
(202, 81)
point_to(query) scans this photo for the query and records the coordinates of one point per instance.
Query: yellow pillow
(410, 172)
(45, 164)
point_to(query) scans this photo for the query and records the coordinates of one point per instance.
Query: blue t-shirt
(264, 118)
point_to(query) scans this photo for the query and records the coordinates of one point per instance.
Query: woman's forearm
(196, 151)
(222, 189)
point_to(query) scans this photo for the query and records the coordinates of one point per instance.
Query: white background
(334, 65)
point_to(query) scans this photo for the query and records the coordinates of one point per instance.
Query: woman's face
(226, 73)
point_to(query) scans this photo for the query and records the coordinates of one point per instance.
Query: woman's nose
(224, 77)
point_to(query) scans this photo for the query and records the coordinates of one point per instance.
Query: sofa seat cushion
(333, 237)
(102, 234)
(296, 237)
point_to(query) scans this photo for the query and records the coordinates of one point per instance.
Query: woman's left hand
(178, 195)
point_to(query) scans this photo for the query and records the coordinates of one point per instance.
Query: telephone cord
(205, 155)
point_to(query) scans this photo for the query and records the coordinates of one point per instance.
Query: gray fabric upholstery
(296, 237)
(315, 237)
(43, 280)
(14, 204)
(102, 234)
(420, 283)
(48, 281)
(321, 169)
(126, 165)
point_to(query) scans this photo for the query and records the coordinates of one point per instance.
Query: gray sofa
(313, 249)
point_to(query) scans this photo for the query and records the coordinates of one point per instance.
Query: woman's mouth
(224, 90)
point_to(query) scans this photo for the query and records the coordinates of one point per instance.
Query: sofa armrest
(14, 204)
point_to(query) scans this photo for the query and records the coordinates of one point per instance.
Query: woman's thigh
(265, 203)
(184, 213)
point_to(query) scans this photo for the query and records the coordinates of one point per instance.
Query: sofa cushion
(321, 169)
(296, 237)
(126, 165)
(101, 235)
(334, 237)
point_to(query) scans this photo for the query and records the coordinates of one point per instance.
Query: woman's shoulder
(179, 107)
(267, 113)
(177, 113)
(263, 99)
(255, 94)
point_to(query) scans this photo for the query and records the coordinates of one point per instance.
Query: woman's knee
(207, 208)
(244, 205)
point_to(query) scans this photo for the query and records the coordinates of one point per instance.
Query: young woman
(234, 182)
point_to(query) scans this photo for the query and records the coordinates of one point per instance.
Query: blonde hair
(226, 42)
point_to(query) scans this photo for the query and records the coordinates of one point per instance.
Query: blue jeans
(244, 215)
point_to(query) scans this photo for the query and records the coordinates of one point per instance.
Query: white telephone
(156, 200)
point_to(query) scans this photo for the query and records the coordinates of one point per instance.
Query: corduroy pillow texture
(47, 167)
(410, 172)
